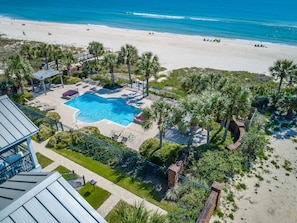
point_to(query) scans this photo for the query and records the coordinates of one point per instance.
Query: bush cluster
(164, 156)
(45, 132)
(21, 98)
(190, 202)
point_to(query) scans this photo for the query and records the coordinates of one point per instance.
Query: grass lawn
(62, 169)
(43, 160)
(137, 187)
(95, 196)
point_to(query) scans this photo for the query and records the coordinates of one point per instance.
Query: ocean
(258, 20)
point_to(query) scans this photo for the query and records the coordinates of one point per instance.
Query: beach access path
(117, 193)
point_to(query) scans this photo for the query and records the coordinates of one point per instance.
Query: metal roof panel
(55, 207)
(38, 211)
(14, 125)
(21, 215)
(69, 202)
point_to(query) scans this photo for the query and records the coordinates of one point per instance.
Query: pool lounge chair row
(42, 106)
(123, 136)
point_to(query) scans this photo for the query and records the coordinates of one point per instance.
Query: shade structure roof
(43, 74)
(43, 197)
(15, 126)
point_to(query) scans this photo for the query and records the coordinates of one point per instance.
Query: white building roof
(15, 126)
(43, 197)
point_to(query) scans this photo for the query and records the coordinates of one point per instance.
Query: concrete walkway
(117, 192)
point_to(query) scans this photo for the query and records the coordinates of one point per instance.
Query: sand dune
(174, 51)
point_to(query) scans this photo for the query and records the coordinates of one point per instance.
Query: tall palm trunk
(161, 138)
(68, 71)
(112, 76)
(280, 85)
(191, 134)
(57, 64)
(147, 85)
(32, 84)
(129, 72)
(226, 130)
(208, 135)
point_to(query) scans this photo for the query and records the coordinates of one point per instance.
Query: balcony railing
(24, 164)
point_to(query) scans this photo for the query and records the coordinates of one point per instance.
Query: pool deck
(132, 135)
(133, 97)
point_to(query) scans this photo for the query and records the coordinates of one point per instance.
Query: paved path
(117, 192)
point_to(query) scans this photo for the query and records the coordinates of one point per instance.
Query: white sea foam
(157, 16)
(204, 19)
(97, 25)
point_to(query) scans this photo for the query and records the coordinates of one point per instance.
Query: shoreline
(174, 50)
(155, 31)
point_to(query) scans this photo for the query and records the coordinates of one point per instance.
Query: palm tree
(18, 69)
(193, 83)
(68, 59)
(57, 54)
(44, 49)
(187, 114)
(147, 65)
(282, 70)
(212, 107)
(129, 56)
(160, 112)
(239, 99)
(28, 52)
(90, 65)
(96, 48)
(214, 82)
(110, 61)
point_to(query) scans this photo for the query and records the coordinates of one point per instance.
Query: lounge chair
(127, 137)
(85, 85)
(48, 107)
(32, 102)
(115, 134)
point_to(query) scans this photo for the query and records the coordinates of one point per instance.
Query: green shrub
(57, 79)
(164, 156)
(149, 146)
(53, 116)
(21, 98)
(72, 80)
(90, 130)
(60, 140)
(167, 155)
(45, 132)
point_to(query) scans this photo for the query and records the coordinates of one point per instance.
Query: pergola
(43, 74)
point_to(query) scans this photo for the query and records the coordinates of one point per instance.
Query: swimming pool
(93, 108)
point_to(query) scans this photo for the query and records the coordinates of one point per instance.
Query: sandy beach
(270, 194)
(174, 51)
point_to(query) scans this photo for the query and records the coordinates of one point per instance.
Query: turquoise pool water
(93, 108)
